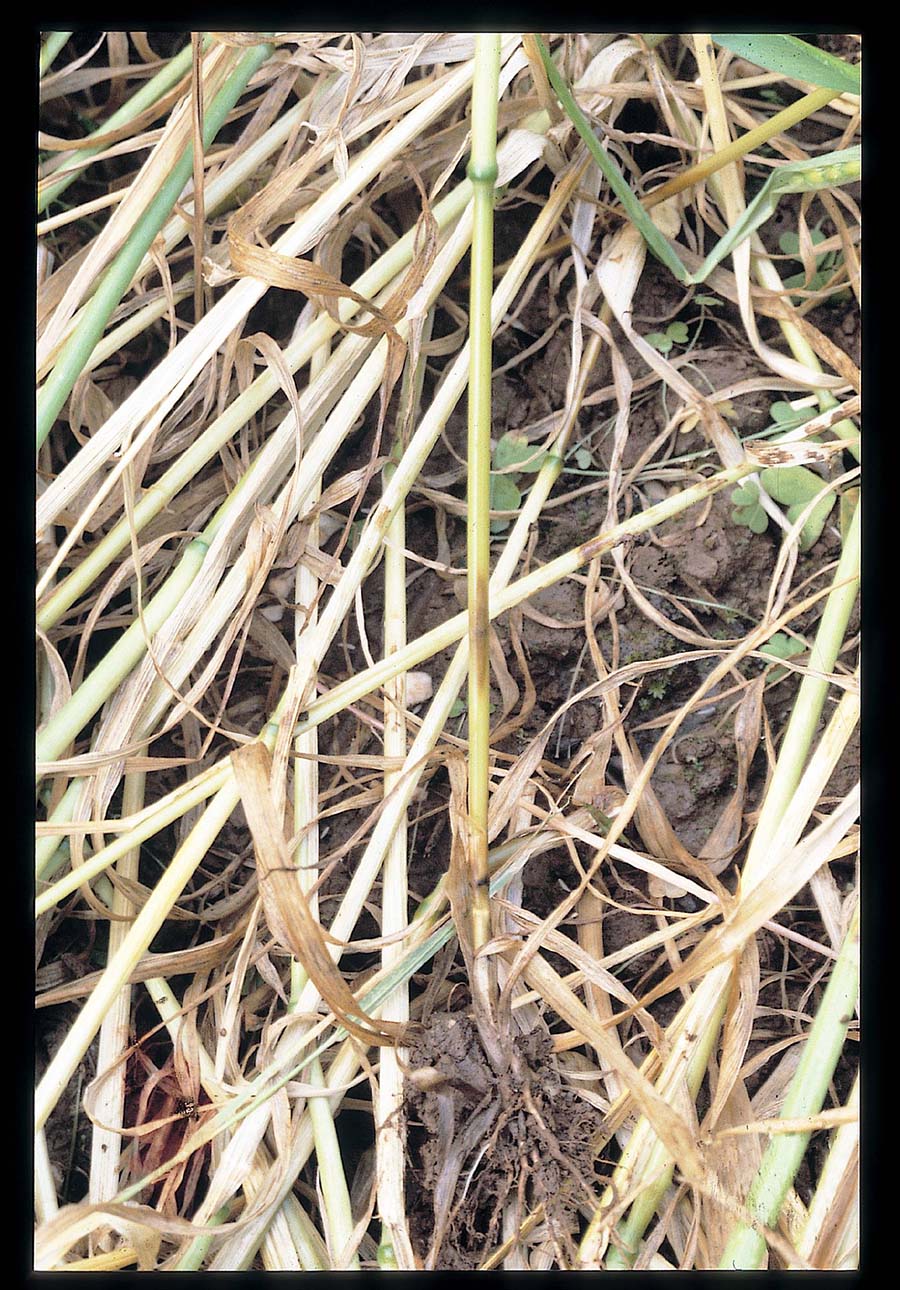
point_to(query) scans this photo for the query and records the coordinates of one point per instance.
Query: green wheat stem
(746, 1247)
(50, 48)
(482, 173)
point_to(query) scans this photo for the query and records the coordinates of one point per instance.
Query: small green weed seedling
(781, 646)
(513, 450)
(825, 264)
(785, 417)
(793, 487)
(656, 691)
(675, 334)
(658, 686)
(748, 508)
(460, 707)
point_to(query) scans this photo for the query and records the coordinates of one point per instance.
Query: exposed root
(485, 1140)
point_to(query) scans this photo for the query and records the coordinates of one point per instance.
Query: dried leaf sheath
(286, 908)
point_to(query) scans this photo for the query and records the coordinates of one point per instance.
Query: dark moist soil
(479, 1140)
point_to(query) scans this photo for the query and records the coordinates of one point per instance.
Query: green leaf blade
(790, 56)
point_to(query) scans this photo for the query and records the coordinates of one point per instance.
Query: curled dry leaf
(286, 907)
(763, 901)
(723, 840)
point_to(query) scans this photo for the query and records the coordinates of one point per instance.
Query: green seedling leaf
(789, 242)
(791, 485)
(795, 58)
(794, 487)
(710, 301)
(825, 264)
(515, 450)
(812, 529)
(675, 334)
(789, 418)
(785, 418)
(458, 707)
(748, 508)
(614, 177)
(583, 459)
(781, 646)
(505, 496)
(800, 282)
(746, 495)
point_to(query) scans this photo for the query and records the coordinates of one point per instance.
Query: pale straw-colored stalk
(106, 1143)
(364, 876)
(792, 755)
(418, 651)
(454, 678)
(46, 1202)
(337, 1213)
(808, 704)
(395, 1246)
(226, 185)
(831, 1230)
(556, 467)
(125, 224)
(369, 544)
(184, 594)
(701, 1016)
(370, 284)
(291, 1242)
(727, 185)
(268, 1227)
(121, 658)
(442, 405)
(53, 43)
(267, 1081)
(140, 934)
(238, 1250)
